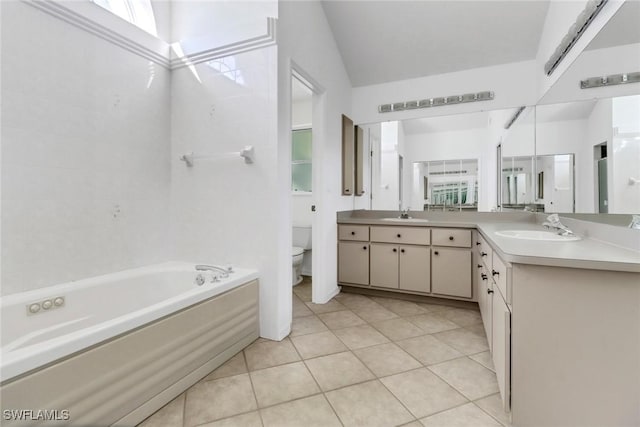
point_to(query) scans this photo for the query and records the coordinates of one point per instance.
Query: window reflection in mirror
(450, 185)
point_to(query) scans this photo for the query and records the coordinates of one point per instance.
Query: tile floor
(355, 361)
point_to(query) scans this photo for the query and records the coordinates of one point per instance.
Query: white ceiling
(567, 111)
(383, 41)
(623, 28)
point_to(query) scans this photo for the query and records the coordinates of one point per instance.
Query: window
(138, 12)
(301, 160)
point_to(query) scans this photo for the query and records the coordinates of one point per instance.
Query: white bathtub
(98, 309)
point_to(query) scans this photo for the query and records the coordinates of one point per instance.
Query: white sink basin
(549, 236)
(405, 219)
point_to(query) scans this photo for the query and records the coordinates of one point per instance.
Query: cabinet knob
(353, 233)
(483, 254)
(435, 253)
(484, 276)
(478, 243)
(364, 247)
(395, 250)
(495, 273)
(450, 237)
(399, 235)
(489, 291)
(402, 250)
(479, 265)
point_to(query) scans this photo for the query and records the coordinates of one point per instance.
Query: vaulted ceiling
(383, 41)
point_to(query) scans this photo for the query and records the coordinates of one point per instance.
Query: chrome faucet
(224, 272)
(404, 214)
(553, 221)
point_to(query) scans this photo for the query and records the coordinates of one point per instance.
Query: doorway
(302, 201)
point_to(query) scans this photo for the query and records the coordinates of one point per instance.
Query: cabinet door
(451, 272)
(347, 156)
(485, 300)
(384, 265)
(501, 347)
(359, 161)
(353, 262)
(415, 271)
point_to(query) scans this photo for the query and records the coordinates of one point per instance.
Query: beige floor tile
(283, 383)
(429, 350)
(312, 411)
(493, 406)
(464, 341)
(387, 359)
(484, 359)
(328, 307)
(341, 319)
(318, 344)
(477, 329)
(300, 309)
(412, 424)
(234, 366)
(211, 400)
(432, 323)
(401, 307)
(398, 329)
(355, 301)
(468, 377)
(170, 415)
(360, 336)
(435, 308)
(422, 392)
(303, 291)
(338, 370)
(307, 325)
(369, 404)
(463, 317)
(468, 415)
(375, 314)
(270, 353)
(251, 419)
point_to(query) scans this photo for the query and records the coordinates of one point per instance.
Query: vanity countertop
(587, 253)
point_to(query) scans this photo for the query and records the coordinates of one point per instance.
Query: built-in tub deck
(122, 345)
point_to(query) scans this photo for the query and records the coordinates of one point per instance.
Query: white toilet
(301, 243)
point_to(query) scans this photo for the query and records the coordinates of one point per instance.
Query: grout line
(253, 389)
(486, 412)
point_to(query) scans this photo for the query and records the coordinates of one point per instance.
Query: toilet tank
(302, 236)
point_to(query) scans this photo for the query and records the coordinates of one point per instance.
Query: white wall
(512, 84)
(626, 155)
(225, 210)
(305, 42)
(85, 154)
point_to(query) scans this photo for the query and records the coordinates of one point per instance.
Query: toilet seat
(297, 251)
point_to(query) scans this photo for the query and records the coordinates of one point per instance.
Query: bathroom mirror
(598, 127)
(444, 163)
(516, 185)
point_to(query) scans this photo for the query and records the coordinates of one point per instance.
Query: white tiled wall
(85, 154)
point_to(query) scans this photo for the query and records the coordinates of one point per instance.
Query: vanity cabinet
(404, 258)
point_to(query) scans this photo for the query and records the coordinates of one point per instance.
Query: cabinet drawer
(407, 235)
(451, 237)
(485, 253)
(499, 273)
(353, 232)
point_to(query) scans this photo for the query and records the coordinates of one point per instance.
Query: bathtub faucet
(224, 272)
